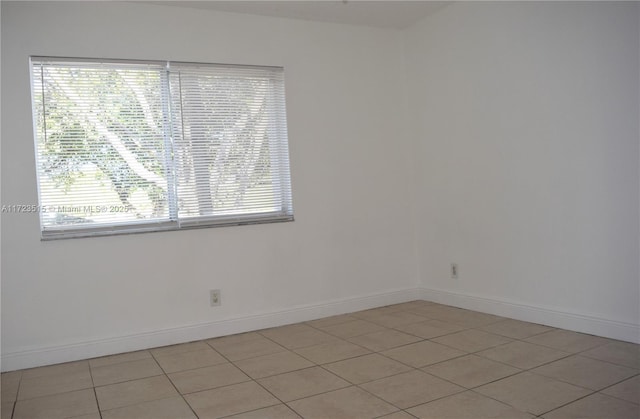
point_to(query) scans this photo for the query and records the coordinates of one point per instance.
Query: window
(124, 146)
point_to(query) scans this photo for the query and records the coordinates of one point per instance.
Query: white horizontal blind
(230, 140)
(131, 146)
(100, 131)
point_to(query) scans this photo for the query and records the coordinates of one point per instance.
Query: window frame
(173, 222)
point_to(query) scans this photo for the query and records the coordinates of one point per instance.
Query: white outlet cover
(214, 298)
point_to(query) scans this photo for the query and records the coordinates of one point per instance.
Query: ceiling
(382, 14)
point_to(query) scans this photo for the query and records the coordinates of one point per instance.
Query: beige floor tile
(516, 329)
(230, 400)
(280, 411)
(65, 405)
(459, 311)
(397, 415)
(353, 328)
(374, 312)
(568, 341)
(476, 320)
(596, 406)
(54, 384)
(471, 340)
(366, 368)
(585, 372)
(384, 339)
(207, 378)
(303, 339)
(467, 405)
(396, 319)
(411, 388)
(331, 321)
(430, 328)
(471, 371)
(180, 348)
(302, 383)
(411, 305)
(347, 403)
(621, 353)
(434, 311)
(170, 408)
(190, 360)
(532, 393)
(56, 370)
(267, 365)
(125, 371)
(628, 390)
(331, 352)
(289, 329)
(6, 410)
(393, 308)
(522, 354)
(235, 351)
(117, 359)
(234, 339)
(399, 307)
(134, 392)
(422, 354)
(426, 311)
(95, 415)
(9, 383)
(468, 318)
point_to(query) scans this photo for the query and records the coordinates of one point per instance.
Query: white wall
(351, 239)
(522, 156)
(527, 122)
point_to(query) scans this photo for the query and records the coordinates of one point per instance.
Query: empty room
(320, 209)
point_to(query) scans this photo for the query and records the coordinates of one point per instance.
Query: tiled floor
(417, 359)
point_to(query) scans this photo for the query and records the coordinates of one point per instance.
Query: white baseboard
(34, 357)
(583, 323)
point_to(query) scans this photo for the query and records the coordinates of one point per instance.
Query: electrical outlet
(215, 298)
(454, 271)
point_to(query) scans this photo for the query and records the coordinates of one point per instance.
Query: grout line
(251, 380)
(609, 341)
(507, 404)
(134, 404)
(406, 372)
(572, 401)
(608, 362)
(172, 384)
(132, 379)
(615, 384)
(253, 410)
(573, 384)
(95, 393)
(53, 394)
(339, 360)
(626, 379)
(15, 401)
(13, 409)
(380, 398)
(121, 363)
(253, 356)
(419, 367)
(349, 319)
